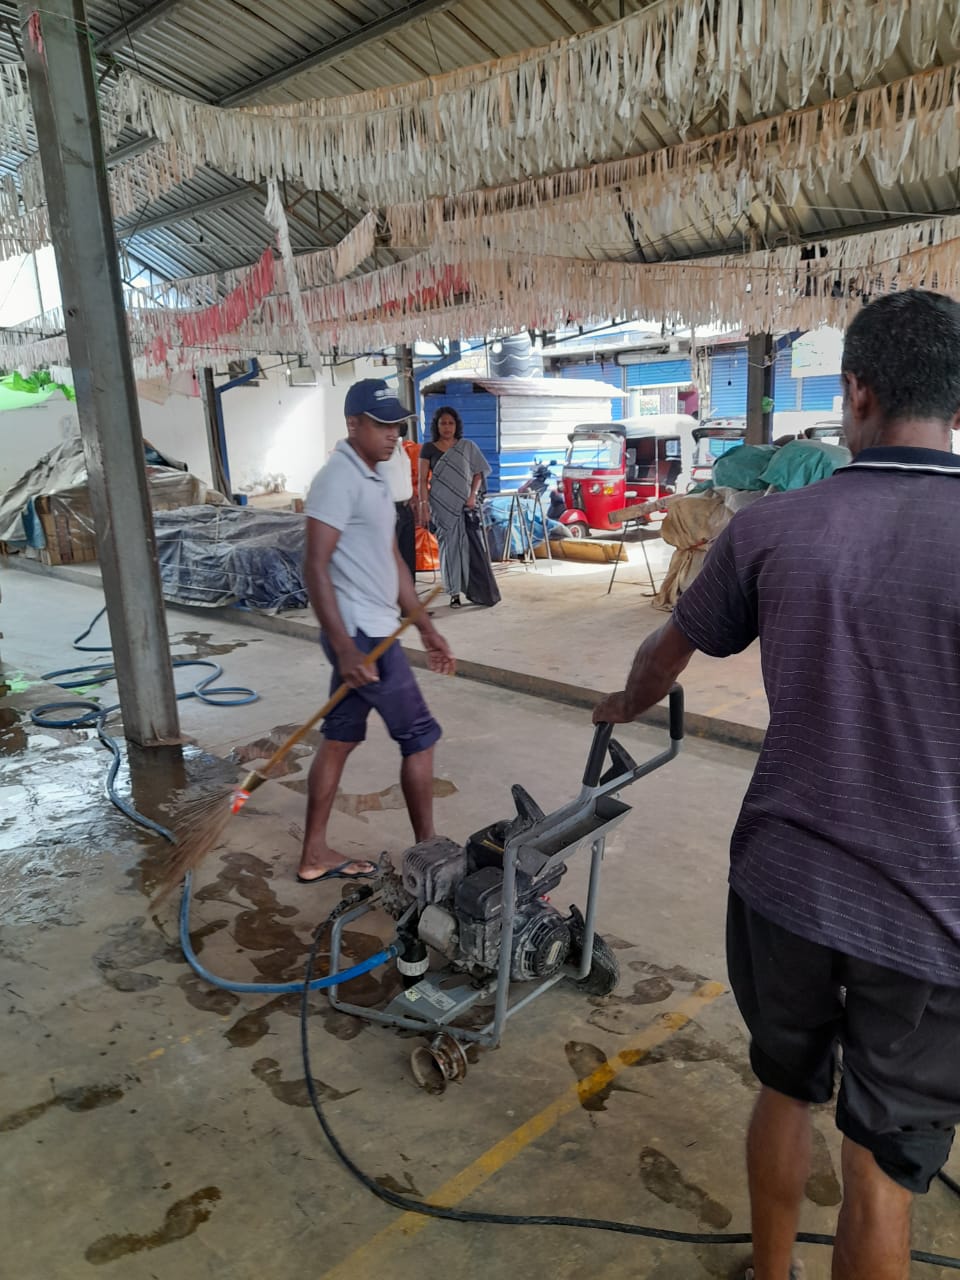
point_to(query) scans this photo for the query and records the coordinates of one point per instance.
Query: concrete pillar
(63, 91)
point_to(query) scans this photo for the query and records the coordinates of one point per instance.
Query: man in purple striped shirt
(844, 915)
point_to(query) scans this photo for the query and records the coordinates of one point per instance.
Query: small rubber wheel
(576, 530)
(604, 967)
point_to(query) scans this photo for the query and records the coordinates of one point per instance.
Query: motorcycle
(539, 481)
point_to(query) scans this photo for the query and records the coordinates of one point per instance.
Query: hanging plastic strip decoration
(556, 108)
(276, 215)
(909, 131)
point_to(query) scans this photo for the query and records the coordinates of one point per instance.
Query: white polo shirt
(347, 495)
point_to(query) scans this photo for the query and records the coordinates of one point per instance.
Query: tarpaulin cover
(62, 474)
(741, 468)
(803, 462)
(232, 555)
(496, 516)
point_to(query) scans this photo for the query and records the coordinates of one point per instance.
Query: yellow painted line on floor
(363, 1261)
(174, 1041)
(722, 707)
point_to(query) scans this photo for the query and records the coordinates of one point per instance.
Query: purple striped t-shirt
(849, 833)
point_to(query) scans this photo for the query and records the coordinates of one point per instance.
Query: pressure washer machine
(483, 911)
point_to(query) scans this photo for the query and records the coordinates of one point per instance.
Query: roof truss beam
(376, 29)
(121, 34)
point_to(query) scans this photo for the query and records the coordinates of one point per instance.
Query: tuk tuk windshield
(599, 451)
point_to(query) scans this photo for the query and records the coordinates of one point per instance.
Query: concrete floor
(158, 1128)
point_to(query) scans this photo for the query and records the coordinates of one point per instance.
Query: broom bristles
(199, 830)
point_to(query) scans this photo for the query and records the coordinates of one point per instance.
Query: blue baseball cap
(374, 398)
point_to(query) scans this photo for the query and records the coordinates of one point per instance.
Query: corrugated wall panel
(819, 393)
(478, 409)
(658, 373)
(728, 384)
(534, 427)
(784, 384)
(600, 371)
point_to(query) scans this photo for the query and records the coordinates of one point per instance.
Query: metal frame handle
(604, 731)
(598, 754)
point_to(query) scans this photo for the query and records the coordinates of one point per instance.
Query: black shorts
(900, 1040)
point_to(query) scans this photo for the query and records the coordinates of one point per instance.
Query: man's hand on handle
(613, 709)
(656, 667)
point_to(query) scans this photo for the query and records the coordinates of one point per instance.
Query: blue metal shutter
(599, 371)
(728, 384)
(784, 383)
(478, 409)
(658, 373)
(819, 393)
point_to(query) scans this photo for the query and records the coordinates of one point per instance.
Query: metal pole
(759, 388)
(406, 393)
(63, 91)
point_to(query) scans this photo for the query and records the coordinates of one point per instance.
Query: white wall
(27, 434)
(271, 428)
(276, 428)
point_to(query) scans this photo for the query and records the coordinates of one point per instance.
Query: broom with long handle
(204, 821)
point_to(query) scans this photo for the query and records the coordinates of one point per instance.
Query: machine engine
(459, 895)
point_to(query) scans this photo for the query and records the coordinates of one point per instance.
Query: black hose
(448, 1214)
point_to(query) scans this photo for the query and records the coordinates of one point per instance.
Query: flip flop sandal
(339, 873)
(797, 1272)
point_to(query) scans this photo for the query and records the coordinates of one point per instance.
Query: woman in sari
(454, 470)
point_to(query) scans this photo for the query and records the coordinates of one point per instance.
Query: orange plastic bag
(428, 553)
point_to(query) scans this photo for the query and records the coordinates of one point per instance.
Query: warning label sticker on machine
(433, 995)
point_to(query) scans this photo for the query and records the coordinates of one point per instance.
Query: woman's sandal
(456, 602)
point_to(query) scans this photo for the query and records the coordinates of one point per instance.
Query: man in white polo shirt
(358, 586)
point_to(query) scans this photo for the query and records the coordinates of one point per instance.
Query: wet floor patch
(663, 1178)
(624, 1014)
(294, 1093)
(181, 1220)
(128, 948)
(203, 645)
(356, 805)
(85, 1098)
(585, 1059)
(405, 1188)
(263, 748)
(13, 737)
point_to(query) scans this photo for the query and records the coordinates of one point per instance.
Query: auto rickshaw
(612, 465)
(712, 439)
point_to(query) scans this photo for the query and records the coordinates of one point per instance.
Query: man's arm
(351, 662)
(439, 656)
(658, 663)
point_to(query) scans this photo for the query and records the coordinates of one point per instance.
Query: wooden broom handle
(373, 656)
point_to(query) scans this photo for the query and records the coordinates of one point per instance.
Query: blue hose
(271, 988)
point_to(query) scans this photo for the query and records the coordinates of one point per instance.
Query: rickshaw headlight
(596, 488)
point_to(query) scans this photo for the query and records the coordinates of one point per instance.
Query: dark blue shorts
(396, 696)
